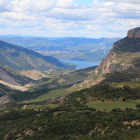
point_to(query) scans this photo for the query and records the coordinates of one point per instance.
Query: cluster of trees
(69, 124)
(103, 92)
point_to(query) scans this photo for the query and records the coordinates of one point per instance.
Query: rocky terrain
(134, 33)
(123, 54)
(7, 101)
(10, 76)
(34, 74)
(10, 82)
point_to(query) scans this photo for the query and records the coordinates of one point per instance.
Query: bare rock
(19, 135)
(134, 33)
(40, 128)
(29, 132)
(21, 138)
(104, 62)
(6, 136)
(7, 101)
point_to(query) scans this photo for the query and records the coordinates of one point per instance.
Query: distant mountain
(20, 59)
(88, 49)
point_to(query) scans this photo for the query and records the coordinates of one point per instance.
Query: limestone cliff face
(103, 65)
(134, 33)
(110, 63)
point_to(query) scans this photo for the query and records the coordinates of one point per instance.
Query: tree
(138, 105)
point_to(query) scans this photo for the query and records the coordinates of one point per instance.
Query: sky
(69, 18)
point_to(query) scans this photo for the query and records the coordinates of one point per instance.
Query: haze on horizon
(69, 18)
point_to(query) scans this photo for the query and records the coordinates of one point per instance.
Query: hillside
(6, 101)
(124, 55)
(34, 74)
(48, 88)
(118, 60)
(41, 86)
(20, 59)
(10, 76)
(118, 75)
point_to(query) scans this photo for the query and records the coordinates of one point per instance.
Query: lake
(80, 64)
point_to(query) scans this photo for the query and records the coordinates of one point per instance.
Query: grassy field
(51, 94)
(57, 112)
(109, 105)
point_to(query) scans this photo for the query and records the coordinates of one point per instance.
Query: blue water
(80, 64)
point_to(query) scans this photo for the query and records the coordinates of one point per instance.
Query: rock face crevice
(134, 33)
(109, 64)
(104, 63)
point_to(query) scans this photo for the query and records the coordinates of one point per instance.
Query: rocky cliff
(103, 65)
(124, 55)
(134, 33)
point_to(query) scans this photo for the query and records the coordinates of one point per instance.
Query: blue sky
(83, 2)
(69, 18)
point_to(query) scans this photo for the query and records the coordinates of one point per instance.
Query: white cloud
(97, 4)
(64, 3)
(5, 5)
(124, 1)
(32, 5)
(62, 17)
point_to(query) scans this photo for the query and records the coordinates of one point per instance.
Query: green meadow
(109, 105)
(51, 94)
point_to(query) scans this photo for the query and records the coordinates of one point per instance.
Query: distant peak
(134, 33)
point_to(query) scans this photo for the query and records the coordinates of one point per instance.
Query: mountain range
(69, 81)
(87, 49)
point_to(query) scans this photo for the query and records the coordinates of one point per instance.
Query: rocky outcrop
(7, 102)
(29, 132)
(103, 64)
(134, 33)
(110, 63)
(6, 137)
(118, 68)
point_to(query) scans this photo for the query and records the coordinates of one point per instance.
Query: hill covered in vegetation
(20, 59)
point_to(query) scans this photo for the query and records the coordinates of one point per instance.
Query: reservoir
(80, 64)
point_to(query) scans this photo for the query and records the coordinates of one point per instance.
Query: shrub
(102, 100)
(138, 105)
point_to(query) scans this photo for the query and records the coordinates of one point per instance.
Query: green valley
(96, 103)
